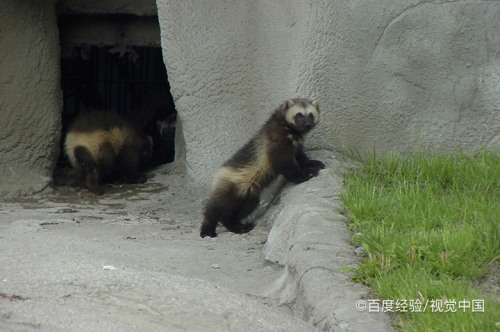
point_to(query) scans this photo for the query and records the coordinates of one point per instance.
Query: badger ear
(315, 104)
(287, 104)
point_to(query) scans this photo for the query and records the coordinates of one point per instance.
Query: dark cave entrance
(117, 72)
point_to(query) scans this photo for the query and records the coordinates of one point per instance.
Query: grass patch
(430, 226)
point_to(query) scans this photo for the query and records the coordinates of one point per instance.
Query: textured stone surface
(131, 260)
(389, 75)
(100, 7)
(30, 96)
(310, 239)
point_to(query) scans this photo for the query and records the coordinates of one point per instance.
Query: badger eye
(311, 116)
(299, 116)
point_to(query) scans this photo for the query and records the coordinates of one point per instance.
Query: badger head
(301, 114)
(166, 127)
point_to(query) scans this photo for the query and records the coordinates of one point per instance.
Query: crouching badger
(275, 149)
(101, 146)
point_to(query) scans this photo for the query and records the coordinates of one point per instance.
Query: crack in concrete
(397, 18)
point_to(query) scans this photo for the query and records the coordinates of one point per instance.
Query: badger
(276, 149)
(156, 116)
(101, 146)
(165, 138)
(166, 127)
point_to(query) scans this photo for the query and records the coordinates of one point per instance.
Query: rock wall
(30, 95)
(103, 7)
(389, 75)
(310, 239)
(416, 74)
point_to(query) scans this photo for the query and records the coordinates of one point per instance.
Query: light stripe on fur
(93, 141)
(249, 179)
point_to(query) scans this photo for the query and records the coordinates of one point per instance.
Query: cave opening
(114, 63)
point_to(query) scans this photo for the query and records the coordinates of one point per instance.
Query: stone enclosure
(388, 75)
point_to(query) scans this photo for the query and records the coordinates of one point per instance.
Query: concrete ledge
(310, 238)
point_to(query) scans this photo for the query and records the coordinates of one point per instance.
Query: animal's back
(97, 120)
(95, 129)
(249, 170)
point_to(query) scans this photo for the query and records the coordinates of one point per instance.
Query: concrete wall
(90, 22)
(99, 7)
(30, 89)
(30, 96)
(389, 74)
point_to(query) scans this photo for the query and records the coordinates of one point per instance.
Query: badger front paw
(207, 230)
(313, 167)
(316, 164)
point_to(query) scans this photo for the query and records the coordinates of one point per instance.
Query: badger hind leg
(89, 166)
(208, 228)
(220, 207)
(245, 207)
(229, 209)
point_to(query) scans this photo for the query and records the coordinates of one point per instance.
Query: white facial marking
(292, 112)
(314, 111)
(295, 109)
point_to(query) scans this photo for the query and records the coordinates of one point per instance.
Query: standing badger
(275, 149)
(101, 146)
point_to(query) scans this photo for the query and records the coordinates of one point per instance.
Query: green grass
(430, 226)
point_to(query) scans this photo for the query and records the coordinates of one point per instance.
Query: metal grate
(114, 78)
(131, 81)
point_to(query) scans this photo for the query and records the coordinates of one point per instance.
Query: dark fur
(227, 204)
(158, 106)
(117, 160)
